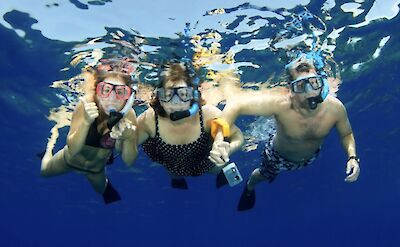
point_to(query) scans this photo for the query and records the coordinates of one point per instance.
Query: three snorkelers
(176, 130)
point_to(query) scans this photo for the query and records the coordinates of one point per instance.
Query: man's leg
(255, 178)
(248, 197)
(268, 171)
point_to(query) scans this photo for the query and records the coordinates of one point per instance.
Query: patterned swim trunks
(273, 163)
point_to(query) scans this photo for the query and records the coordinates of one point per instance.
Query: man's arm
(348, 142)
(259, 103)
(236, 139)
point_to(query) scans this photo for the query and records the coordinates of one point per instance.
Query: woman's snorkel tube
(178, 115)
(116, 116)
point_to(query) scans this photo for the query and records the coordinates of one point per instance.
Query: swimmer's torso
(90, 157)
(299, 137)
(177, 133)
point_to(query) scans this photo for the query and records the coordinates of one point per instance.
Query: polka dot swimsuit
(183, 159)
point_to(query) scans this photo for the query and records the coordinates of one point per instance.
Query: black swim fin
(247, 199)
(221, 180)
(179, 183)
(110, 194)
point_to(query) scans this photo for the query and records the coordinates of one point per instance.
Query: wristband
(355, 158)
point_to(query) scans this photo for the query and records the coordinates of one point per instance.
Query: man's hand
(352, 170)
(219, 153)
(123, 130)
(91, 111)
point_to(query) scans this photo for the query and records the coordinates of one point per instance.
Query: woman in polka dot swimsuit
(183, 146)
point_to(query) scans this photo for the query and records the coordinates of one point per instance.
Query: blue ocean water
(309, 207)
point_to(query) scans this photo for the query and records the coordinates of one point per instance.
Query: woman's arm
(222, 149)
(128, 144)
(80, 123)
(143, 125)
(134, 137)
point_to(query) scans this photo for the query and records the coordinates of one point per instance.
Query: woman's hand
(123, 130)
(219, 153)
(91, 111)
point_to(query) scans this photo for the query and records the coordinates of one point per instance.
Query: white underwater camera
(232, 174)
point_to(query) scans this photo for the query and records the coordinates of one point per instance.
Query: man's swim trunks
(273, 163)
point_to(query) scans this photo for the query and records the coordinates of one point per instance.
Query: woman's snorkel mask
(194, 108)
(115, 116)
(125, 66)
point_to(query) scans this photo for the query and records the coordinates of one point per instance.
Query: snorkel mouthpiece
(114, 118)
(178, 115)
(314, 101)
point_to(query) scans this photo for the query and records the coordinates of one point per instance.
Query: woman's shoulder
(146, 119)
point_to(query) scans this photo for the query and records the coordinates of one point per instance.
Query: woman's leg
(54, 165)
(98, 181)
(221, 179)
(103, 186)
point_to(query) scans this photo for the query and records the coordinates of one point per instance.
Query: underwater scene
(197, 85)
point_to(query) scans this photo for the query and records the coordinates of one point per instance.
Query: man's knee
(267, 174)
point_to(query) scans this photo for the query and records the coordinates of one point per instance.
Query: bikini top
(95, 139)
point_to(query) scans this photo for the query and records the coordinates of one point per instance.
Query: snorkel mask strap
(115, 116)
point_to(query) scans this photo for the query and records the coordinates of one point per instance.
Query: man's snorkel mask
(323, 86)
(195, 81)
(315, 60)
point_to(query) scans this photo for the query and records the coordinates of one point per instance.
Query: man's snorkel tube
(116, 116)
(178, 115)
